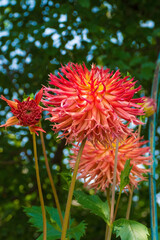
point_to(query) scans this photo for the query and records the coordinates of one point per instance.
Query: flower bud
(149, 106)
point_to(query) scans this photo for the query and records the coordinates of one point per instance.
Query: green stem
(113, 191)
(70, 194)
(39, 188)
(129, 203)
(108, 198)
(139, 130)
(107, 229)
(50, 176)
(115, 213)
(110, 231)
(132, 189)
(109, 204)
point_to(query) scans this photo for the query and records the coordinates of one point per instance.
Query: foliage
(125, 175)
(128, 229)
(54, 226)
(94, 204)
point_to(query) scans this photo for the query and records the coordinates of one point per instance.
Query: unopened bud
(149, 106)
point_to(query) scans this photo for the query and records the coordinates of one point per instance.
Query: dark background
(36, 38)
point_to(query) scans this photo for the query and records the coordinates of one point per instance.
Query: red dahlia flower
(26, 113)
(97, 164)
(92, 104)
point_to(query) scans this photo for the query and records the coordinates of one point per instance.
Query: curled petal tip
(10, 122)
(12, 104)
(39, 96)
(35, 129)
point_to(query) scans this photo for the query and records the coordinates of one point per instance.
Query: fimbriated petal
(97, 162)
(92, 104)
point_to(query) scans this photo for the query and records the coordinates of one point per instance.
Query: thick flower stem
(107, 230)
(129, 203)
(50, 177)
(132, 189)
(109, 204)
(113, 191)
(70, 194)
(108, 198)
(115, 213)
(39, 188)
(139, 130)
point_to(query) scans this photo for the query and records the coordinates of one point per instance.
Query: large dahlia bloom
(26, 113)
(97, 164)
(93, 104)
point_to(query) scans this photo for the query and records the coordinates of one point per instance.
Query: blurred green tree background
(36, 37)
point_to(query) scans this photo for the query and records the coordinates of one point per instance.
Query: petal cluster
(95, 104)
(97, 164)
(26, 113)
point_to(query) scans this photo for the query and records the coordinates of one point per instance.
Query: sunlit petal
(12, 104)
(11, 121)
(92, 104)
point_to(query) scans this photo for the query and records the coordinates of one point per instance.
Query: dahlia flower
(97, 164)
(92, 104)
(26, 113)
(149, 106)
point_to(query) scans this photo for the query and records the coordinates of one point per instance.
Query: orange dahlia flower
(26, 113)
(97, 164)
(92, 104)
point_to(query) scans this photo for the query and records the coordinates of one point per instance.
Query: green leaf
(72, 233)
(52, 221)
(32, 96)
(130, 230)
(94, 204)
(54, 226)
(77, 232)
(35, 218)
(125, 175)
(50, 236)
(67, 177)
